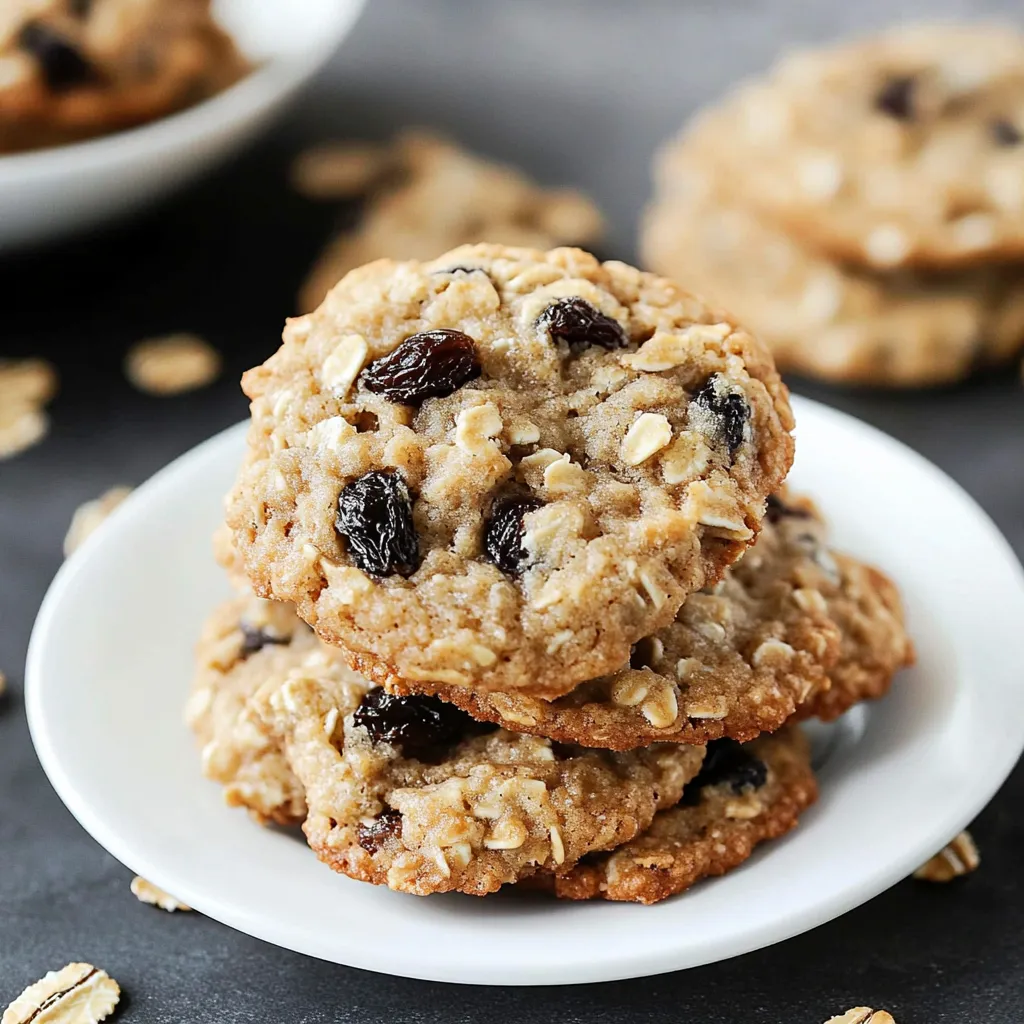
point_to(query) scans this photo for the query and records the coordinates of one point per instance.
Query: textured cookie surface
(429, 196)
(875, 643)
(248, 643)
(503, 468)
(69, 70)
(821, 317)
(413, 794)
(739, 659)
(901, 149)
(746, 794)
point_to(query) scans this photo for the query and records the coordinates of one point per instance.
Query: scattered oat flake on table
(26, 382)
(961, 857)
(76, 994)
(89, 515)
(338, 170)
(172, 364)
(147, 892)
(26, 385)
(862, 1015)
(3, 685)
(21, 427)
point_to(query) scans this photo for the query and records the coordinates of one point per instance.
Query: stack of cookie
(494, 507)
(861, 208)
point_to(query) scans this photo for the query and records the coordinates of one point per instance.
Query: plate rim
(625, 964)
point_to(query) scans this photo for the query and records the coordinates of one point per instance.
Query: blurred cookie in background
(860, 206)
(823, 318)
(425, 195)
(901, 149)
(70, 70)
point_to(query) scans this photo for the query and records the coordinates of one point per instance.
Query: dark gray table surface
(576, 91)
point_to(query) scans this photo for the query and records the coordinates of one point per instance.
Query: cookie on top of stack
(861, 207)
(533, 603)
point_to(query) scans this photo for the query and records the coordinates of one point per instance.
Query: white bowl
(111, 658)
(50, 192)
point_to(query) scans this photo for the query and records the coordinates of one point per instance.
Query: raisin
(388, 825)
(1006, 133)
(375, 518)
(255, 639)
(63, 67)
(777, 510)
(727, 763)
(503, 533)
(428, 365)
(729, 412)
(576, 322)
(420, 725)
(80, 8)
(896, 98)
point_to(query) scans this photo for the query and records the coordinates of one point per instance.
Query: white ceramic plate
(50, 192)
(110, 662)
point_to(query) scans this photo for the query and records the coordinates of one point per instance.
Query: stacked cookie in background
(74, 70)
(861, 208)
(533, 603)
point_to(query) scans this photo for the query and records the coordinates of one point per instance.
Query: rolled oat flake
(76, 994)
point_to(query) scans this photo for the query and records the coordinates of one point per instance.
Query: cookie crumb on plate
(90, 514)
(959, 858)
(147, 892)
(76, 994)
(172, 364)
